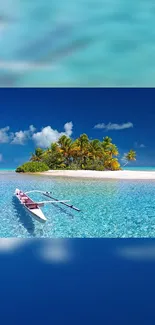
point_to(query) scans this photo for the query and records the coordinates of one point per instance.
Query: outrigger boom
(62, 202)
(46, 202)
(48, 194)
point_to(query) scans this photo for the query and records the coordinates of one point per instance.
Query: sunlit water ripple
(109, 208)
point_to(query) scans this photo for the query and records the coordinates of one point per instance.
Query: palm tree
(106, 142)
(95, 148)
(82, 153)
(64, 141)
(112, 150)
(109, 147)
(130, 156)
(53, 157)
(115, 165)
(81, 149)
(65, 144)
(96, 152)
(37, 156)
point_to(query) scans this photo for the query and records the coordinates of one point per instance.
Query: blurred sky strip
(77, 43)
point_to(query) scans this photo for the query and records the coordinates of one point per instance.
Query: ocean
(109, 208)
(96, 281)
(140, 168)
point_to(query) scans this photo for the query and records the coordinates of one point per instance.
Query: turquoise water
(109, 208)
(84, 43)
(140, 168)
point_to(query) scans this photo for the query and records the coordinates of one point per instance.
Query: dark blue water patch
(96, 286)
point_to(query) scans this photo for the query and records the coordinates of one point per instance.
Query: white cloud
(47, 251)
(137, 145)
(55, 251)
(20, 137)
(8, 245)
(32, 128)
(42, 138)
(114, 126)
(137, 252)
(47, 135)
(5, 136)
(1, 157)
(68, 128)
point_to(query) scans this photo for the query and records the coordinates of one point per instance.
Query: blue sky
(31, 117)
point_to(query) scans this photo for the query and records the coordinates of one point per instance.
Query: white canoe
(30, 206)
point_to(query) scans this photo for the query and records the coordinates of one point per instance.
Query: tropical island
(79, 154)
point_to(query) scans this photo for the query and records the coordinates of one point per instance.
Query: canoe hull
(36, 213)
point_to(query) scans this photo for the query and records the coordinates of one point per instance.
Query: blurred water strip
(77, 281)
(77, 43)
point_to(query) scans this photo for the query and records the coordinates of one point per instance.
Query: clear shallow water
(110, 208)
(85, 43)
(140, 168)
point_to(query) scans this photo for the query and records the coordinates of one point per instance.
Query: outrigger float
(33, 208)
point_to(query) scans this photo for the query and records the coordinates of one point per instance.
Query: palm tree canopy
(95, 148)
(106, 141)
(82, 153)
(64, 141)
(81, 144)
(131, 155)
(54, 147)
(37, 154)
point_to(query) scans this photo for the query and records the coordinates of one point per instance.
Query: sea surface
(95, 281)
(109, 208)
(77, 43)
(140, 168)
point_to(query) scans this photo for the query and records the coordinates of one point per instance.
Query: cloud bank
(114, 126)
(42, 138)
(145, 252)
(48, 135)
(5, 135)
(21, 137)
(46, 251)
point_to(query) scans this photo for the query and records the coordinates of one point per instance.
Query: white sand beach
(121, 174)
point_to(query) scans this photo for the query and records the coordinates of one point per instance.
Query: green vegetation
(82, 153)
(130, 156)
(32, 167)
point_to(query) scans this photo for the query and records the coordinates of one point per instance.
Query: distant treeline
(81, 153)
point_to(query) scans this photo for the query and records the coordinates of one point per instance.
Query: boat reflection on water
(23, 216)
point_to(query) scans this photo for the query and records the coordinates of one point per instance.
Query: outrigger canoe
(33, 208)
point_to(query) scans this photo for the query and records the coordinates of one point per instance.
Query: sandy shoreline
(121, 174)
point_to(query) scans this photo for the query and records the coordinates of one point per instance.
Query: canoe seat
(32, 206)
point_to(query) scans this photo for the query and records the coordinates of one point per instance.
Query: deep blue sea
(77, 43)
(109, 208)
(77, 281)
